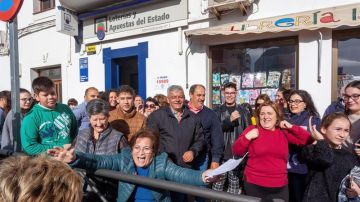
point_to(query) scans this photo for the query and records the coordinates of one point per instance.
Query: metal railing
(172, 186)
(157, 183)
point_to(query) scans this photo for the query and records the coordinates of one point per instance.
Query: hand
(285, 125)
(207, 179)
(66, 154)
(234, 115)
(357, 149)
(214, 165)
(315, 134)
(188, 156)
(354, 189)
(252, 134)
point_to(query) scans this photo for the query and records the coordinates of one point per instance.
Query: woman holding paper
(265, 174)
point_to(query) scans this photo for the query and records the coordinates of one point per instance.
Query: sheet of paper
(229, 165)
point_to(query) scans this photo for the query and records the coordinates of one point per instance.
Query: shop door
(127, 69)
(126, 66)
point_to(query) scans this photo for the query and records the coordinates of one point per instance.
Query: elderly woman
(140, 159)
(267, 143)
(100, 138)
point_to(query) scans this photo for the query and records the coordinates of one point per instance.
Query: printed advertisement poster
(247, 80)
(84, 69)
(216, 96)
(162, 83)
(224, 78)
(216, 79)
(286, 79)
(244, 96)
(236, 79)
(271, 92)
(260, 79)
(273, 80)
(253, 94)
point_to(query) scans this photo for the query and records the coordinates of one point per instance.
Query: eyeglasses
(353, 97)
(26, 99)
(151, 106)
(146, 150)
(230, 93)
(295, 101)
(176, 97)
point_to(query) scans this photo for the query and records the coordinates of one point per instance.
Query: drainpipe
(180, 46)
(187, 53)
(319, 57)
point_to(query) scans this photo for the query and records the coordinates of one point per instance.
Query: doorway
(128, 71)
(126, 66)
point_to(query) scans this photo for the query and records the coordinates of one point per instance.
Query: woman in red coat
(267, 143)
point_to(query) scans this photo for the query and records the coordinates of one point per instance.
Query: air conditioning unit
(218, 6)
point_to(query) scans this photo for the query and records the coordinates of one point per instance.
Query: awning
(348, 15)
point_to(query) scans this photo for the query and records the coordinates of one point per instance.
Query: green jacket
(44, 128)
(160, 168)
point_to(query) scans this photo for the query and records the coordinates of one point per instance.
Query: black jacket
(177, 137)
(232, 130)
(327, 168)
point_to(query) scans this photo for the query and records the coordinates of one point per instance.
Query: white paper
(229, 165)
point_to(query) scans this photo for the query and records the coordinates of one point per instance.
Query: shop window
(256, 68)
(43, 5)
(347, 58)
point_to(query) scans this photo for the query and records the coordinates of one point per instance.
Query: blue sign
(84, 70)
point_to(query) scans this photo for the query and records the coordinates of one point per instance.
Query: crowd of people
(292, 153)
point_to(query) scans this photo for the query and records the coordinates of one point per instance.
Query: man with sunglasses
(234, 119)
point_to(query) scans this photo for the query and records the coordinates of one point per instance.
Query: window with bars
(43, 5)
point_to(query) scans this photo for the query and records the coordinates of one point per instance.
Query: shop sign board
(348, 15)
(139, 20)
(162, 82)
(90, 49)
(9, 9)
(66, 21)
(84, 70)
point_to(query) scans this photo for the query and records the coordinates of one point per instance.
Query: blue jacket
(81, 115)
(336, 106)
(213, 135)
(160, 168)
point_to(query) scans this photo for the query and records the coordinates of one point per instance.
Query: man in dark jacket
(234, 119)
(181, 135)
(214, 141)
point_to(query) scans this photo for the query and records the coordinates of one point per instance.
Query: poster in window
(286, 78)
(216, 79)
(247, 80)
(271, 92)
(224, 78)
(216, 96)
(236, 79)
(253, 94)
(273, 80)
(244, 96)
(260, 79)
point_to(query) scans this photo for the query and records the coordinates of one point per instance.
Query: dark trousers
(297, 185)
(267, 194)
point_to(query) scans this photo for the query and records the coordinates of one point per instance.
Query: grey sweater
(7, 137)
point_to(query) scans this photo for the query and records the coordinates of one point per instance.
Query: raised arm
(240, 147)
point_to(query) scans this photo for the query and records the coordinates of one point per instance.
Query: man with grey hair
(181, 135)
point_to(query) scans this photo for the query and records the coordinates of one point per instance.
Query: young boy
(48, 123)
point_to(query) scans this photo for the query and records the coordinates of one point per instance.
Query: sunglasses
(152, 106)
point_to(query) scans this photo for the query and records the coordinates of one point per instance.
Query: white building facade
(144, 44)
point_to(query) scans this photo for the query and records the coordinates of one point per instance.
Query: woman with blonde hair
(23, 178)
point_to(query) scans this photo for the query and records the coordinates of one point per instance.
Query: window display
(255, 67)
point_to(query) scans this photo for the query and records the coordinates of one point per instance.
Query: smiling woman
(141, 159)
(267, 144)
